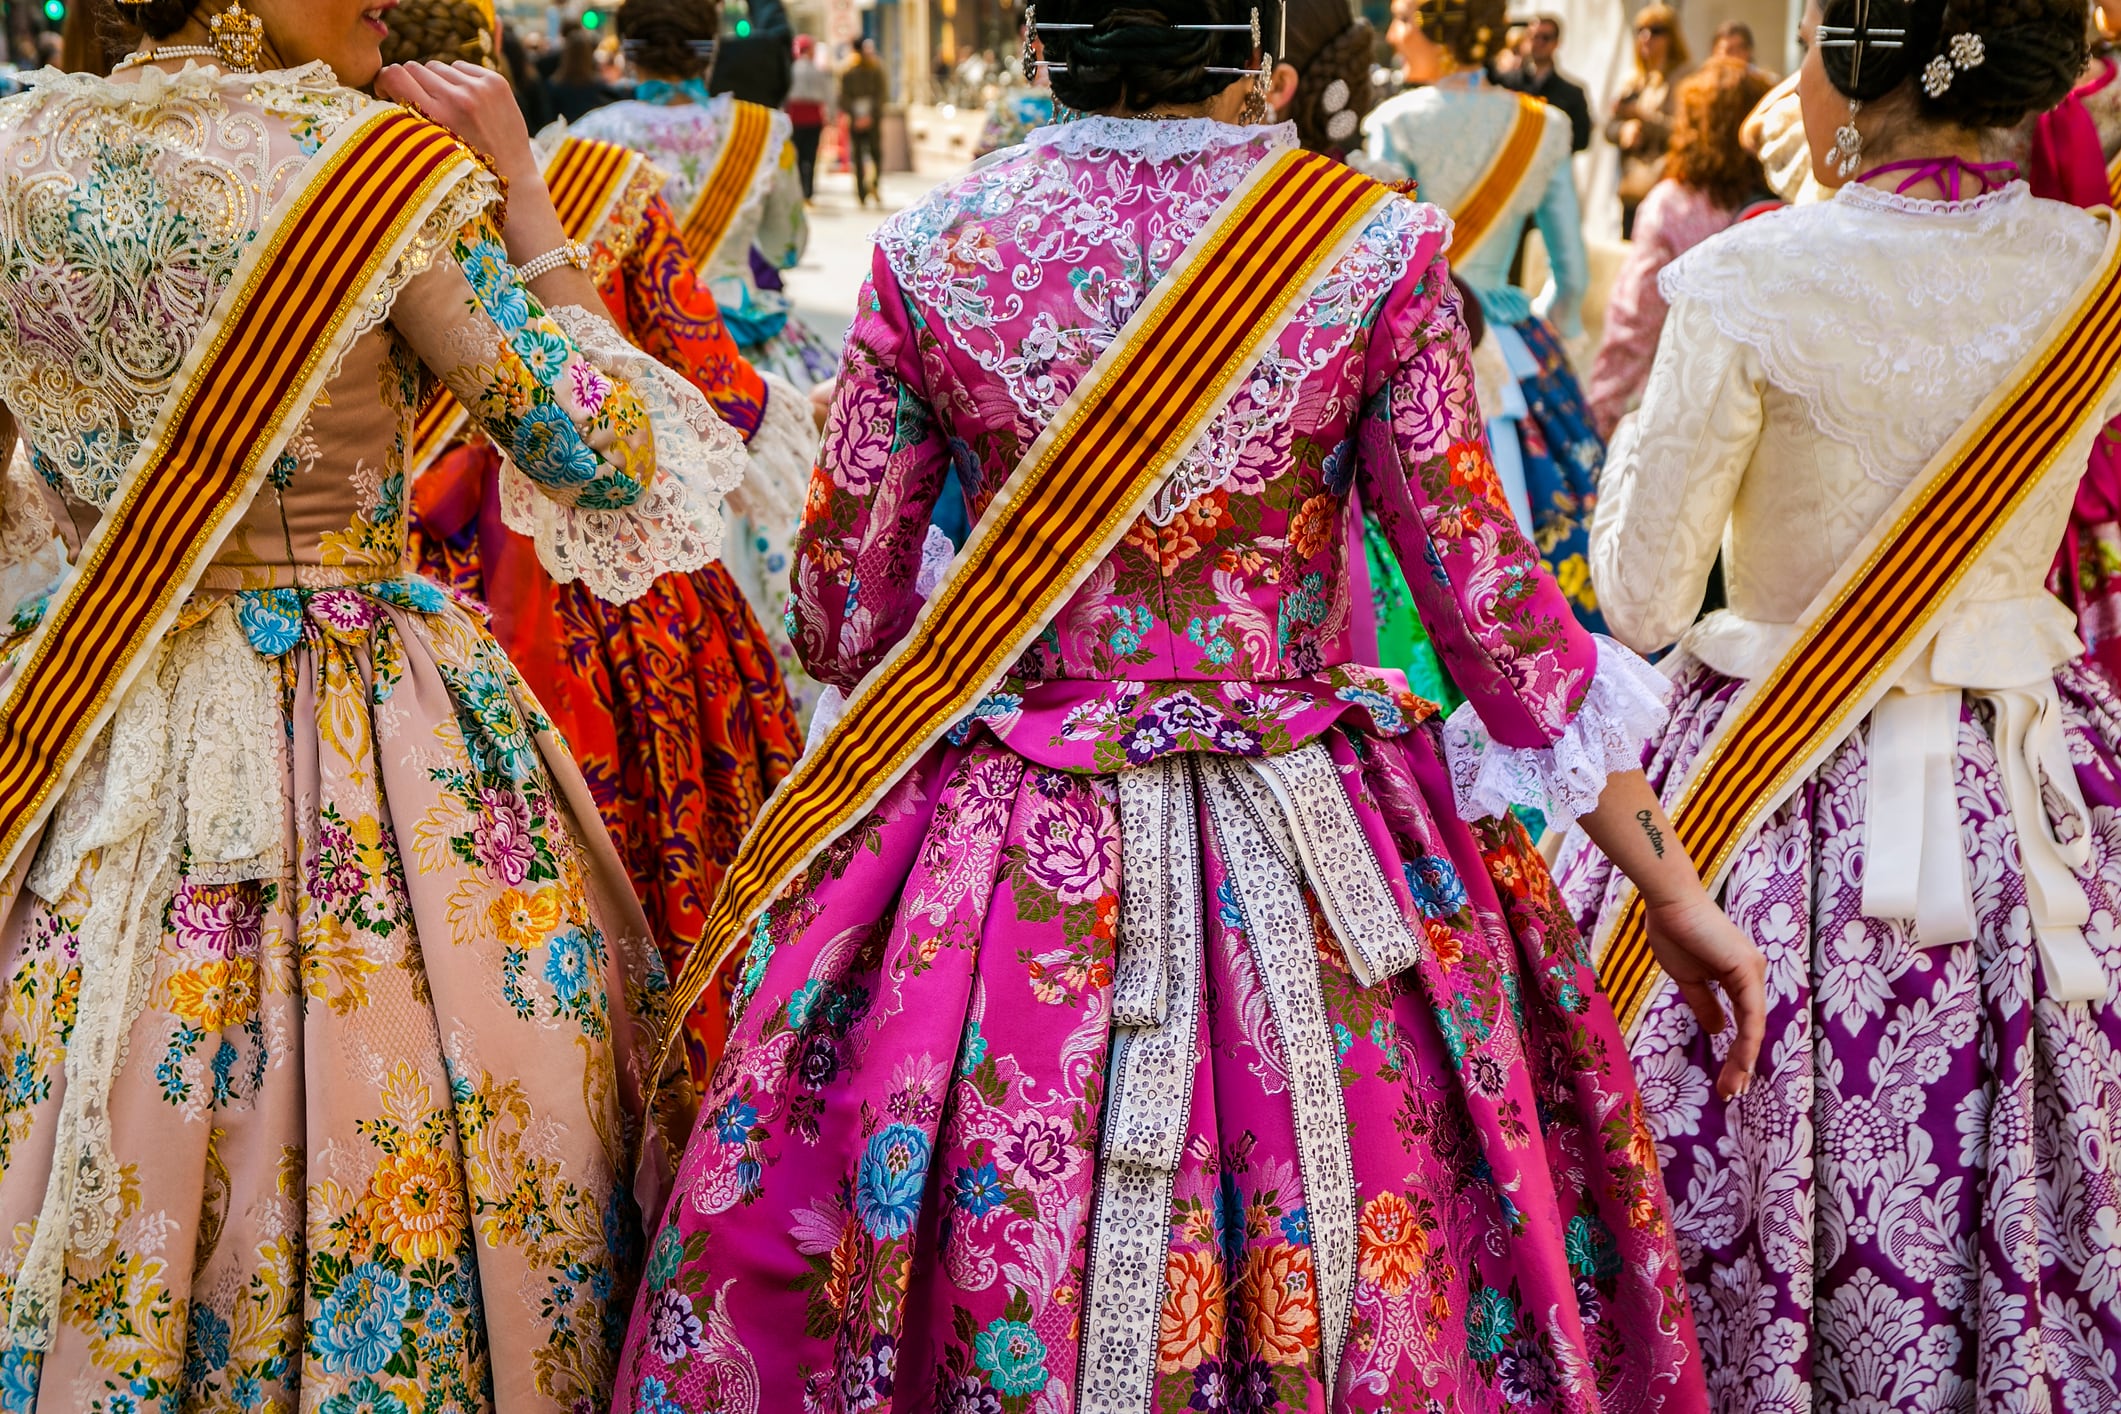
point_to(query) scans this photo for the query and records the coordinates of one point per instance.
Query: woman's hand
(1690, 937)
(1703, 951)
(474, 103)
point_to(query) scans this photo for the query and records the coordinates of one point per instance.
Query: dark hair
(1134, 58)
(1552, 21)
(1735, 29)
(668, 37)
(439, 31)
(157, 19)
(1327, 47)
(1713, 102)
(1473, 32)
(2031, 54)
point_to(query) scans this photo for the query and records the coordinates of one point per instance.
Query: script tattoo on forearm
(1649, 828)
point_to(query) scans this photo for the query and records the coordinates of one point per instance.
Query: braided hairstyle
(1329, 47)
(1473, 32)
(157, 19)
(666, 38)
(2031, 54)
(1134, 60)
(441, 30)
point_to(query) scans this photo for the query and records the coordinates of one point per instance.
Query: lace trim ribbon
(1624, 710)
(1280, 824)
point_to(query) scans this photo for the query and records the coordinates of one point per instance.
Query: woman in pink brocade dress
(918, 1165)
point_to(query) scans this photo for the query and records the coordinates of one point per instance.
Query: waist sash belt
(714, 210)
(1478, 211)
(268, 347)
(1861, 633)
(1079, 486)
(588, 181)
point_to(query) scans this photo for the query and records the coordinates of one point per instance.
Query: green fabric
(1401, 641)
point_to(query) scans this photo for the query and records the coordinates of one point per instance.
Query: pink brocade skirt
(1053, 1083)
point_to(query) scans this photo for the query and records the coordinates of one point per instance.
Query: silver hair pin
(1032, 25)
(1860, 38)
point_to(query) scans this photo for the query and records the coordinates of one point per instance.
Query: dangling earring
(1030, 49)
(1848, 143)
(1257, 110)
(238, 37)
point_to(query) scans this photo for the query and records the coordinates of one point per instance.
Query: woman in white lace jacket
(1915, 1206)
(326, 999)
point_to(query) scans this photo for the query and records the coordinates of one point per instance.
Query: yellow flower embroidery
(412, 1205)
(521, 919)
(215, 994)
(1574, 576)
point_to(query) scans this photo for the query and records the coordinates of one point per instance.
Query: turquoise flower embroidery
(271, 619)
(667, 1256)
(362, 1323)
(494, 285)
(887, 1185)
(1490, 1317)
(364, 1396)
(1013, 1357)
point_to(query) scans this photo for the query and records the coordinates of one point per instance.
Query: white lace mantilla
(1624, 710)
(1890, 318)
(1098, 211)
(676, 526)
(126, 193)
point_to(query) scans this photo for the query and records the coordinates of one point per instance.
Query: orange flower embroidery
(1393, 1244)
(1193, 531)
(1312, 529)
(1281, 1304)
(1472, 469)
(1192, 1326)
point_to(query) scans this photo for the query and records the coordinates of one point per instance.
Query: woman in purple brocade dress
(1917, 1206)
(957, 1158)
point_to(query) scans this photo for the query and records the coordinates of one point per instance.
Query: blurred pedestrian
(578, 85)
(1538, 74)
(1710, 180)
(809, 108)
(1734, 40)
(864, 87)
(1641, 121)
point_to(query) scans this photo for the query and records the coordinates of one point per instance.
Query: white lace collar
(1156, 139)
(2010, 194)
(154, 84)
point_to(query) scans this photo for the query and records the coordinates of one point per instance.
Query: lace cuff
(676, 527)
(1625, 709)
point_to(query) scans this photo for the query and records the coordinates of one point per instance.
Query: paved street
(825, 284)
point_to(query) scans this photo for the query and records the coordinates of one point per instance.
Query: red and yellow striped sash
(586, 178)
(715, 208)
(263, 358)
(1078, 488)
(2113, 180)
(1483, 206)
(1865, 626)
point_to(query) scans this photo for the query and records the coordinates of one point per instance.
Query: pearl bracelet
(573, 253)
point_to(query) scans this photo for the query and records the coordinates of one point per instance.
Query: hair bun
(669, 38)
(1135, 57)
(2030, 54)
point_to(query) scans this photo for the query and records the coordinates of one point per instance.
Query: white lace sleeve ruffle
(676, 527)
(1624, 710)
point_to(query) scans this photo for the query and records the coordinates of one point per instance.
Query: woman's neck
(1931, 166)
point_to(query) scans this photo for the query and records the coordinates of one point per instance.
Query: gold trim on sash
(290, 311)
(2113, 180)
(722, 196)
(1479, 210)
(1867, 625)
(233, 406)
(1078, 488)
(588, 181)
